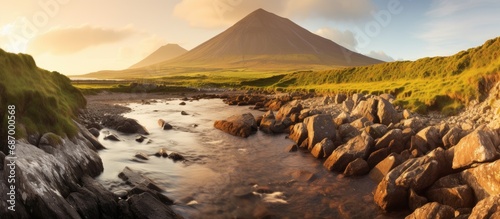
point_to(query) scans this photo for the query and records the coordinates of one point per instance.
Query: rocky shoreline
(434, 166)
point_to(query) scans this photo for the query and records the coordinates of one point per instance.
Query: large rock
(427, 139)
(386, 112)
(358, 147)
(416, 173)
(298, 133)
(476, 147)
(319, 127)
(348, 105)
(384, 167)
(147, 206)
(367, 109)
(392, 135)
(347, 132)
(433, 210)
(452, 137)
(268, 122)
(125, 125)
(487, 208)
(451, 191)
(340, 98)
(238, 125)
(483, 179)
(164, 125)
(288, 110)
(323, 148)
(357, 167)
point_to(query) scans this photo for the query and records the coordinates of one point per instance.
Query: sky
(82, 36)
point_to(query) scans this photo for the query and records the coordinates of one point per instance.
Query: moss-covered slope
(45, 101)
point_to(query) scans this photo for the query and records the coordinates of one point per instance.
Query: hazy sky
(81, 36)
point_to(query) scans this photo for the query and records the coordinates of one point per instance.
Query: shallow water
(231, 177)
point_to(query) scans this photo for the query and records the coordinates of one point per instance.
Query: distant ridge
(263, 38)
(163, 53)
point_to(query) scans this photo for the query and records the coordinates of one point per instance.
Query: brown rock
(377, 156)
(361, 123)
(487, 208)
(433, 210)
(383, 142)
(452, 137)
(357, 167)
(288, 109)
(386, 112)
(319, 127)
(474, 148)
(384, 167)
(238, 125)
(367, 109)
(416, 201)
(323, 148)
(483, 179)
(358, 147)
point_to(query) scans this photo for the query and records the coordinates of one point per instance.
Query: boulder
(483, 179)
(357, 98)
(176, 156)
(319, 127)
(238, 125)
(487, 208)
(146, 206)
(111, 137)
(384, 167)
(357, 167)
(106, 200)
(428, 139)
(289, 109)
(142, 156)
(433, 210)
(268, 122)
(344, 117)
(348, 105)
(125, 125)
(184, 113)
(140, 138)
(476, 147)
(415, 173)
(134, 178)
(162, 153)
(291, 148)
(367, 109)
(451, 191)
(392, 135)
(361, 123)
(85, 204)
(416, 201)
(377, 156)
(347, 132)
(323, 148)
(95, 132)
(415, 123)
(298, 133)
(376, 130)
(386, 112)
(358, 147)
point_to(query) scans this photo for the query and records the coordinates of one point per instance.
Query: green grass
(45, 101)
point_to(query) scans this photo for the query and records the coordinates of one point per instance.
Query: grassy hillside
(45, 101)
(441, 83)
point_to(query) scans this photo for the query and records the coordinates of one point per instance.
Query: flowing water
(231, 177)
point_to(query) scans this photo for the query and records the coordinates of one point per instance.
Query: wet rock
(176, 156)
(367, 109)
(483, 179)
(89, 137)
(238, 125)
(386, 112)
(358, 147)
(134, 178)
(112, 137)
(164, 125)
(474, 148)
(377, 156)
(85, 204)
(303, 176)
(433, 210)
(125, 212)
(450, 190)
(291, 148)
(268, 122)
(182, 103)
(142, 188)
(184, 113)
(323, 148)
(95, 132)
(125, 125)
(357, 167)
(487, 208)
(146, 206)
(319, 127)
(384, 167)
(162, 153)
(107, 202)
(121, 194)
(142, 156)
(298, 133)
(140, 138)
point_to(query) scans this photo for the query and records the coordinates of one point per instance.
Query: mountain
(264, 39)
(164, 53)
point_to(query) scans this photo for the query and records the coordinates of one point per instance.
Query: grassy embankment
(44, 101)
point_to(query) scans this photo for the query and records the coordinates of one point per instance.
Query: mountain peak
(163, 53)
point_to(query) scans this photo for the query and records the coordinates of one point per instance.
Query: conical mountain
(264, 39)
(164, 53)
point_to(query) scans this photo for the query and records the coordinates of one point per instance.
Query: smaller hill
(164, 53)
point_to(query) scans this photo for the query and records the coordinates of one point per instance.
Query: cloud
(61, 41)
(454, 25)
(223, 13)
(344, 38)
(380, 55)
